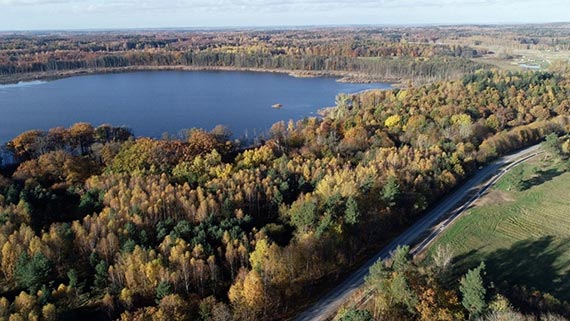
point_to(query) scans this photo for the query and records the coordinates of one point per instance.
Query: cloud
(250, 4)
(276, 7)
(18, 3)
(41, 14)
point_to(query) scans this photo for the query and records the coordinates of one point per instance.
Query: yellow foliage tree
(393, 122)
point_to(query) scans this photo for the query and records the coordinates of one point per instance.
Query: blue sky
(110, 14)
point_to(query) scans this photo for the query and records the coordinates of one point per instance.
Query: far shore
(343, 76)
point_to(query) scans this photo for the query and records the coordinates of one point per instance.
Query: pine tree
(401, 259)
(473, 291)
(101, 274)
(391, 191)
(32, 272)
(162, 290)
(351, 214)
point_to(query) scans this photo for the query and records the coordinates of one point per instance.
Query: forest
(361, 55)
(403, 289)
(97, 224)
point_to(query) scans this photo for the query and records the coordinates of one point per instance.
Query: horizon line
(291, 26)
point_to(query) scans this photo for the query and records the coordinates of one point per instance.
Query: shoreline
(342, 76)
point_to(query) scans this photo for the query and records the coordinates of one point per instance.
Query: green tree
(401, 259)
(402, 293)
(162, 290)
(32, 272)
(390, 285)
(356, 315)
(45, 295)
(391, 191)
(73, 278)
(101, 273)
(552, 145)
(377, 274)
(351, 214)
(473, 291)
(303, 215)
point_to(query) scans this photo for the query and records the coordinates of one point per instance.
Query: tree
(108, 304)
(356, 315)
(391, 191)
(552, 145)
(259, 256)
(437, 304)
(205, 308)
(221, 133)
(239, 300)
(5, 309)
(101, 273)
(304, 214)
(172, 308)
(162, 290)
(441, 260)
(221, 312)
(49, 312)
(500, 304)
(355, 139)
(351, 214)
(201, 142)
(82, 135)
(393, 122)
(26, 305)
(27, 145)
(254, 292)
(473, 291)
(378, 280)
(390, 284)
(32, 272)
(401, 259)
(402, 293)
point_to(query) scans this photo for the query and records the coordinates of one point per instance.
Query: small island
(277, 106)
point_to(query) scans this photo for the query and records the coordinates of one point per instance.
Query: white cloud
(21, 14)
(15, 3)
(249, 4)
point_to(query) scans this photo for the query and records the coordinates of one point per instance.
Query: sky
(119, 14)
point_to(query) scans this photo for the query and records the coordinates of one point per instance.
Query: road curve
(325, 308)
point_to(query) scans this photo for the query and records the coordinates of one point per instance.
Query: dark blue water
(152, 103)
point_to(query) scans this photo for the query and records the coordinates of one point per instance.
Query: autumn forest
(97, 223)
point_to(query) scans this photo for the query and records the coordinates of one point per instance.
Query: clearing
(522, 235)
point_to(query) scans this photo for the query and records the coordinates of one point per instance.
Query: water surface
(152, 103)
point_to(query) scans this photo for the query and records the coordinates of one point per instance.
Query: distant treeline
(381, 68)
(372, 55)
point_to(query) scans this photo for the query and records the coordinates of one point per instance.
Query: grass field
(523, 236)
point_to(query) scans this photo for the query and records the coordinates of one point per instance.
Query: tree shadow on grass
(531, 263)
(541, 177)
(466, 261)
(461, 263)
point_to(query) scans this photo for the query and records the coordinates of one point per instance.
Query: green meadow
(522, 233)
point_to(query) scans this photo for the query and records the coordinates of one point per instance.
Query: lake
(155, 102)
